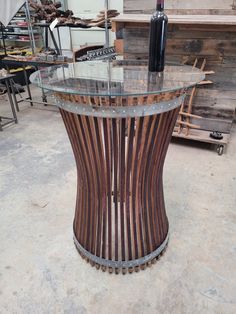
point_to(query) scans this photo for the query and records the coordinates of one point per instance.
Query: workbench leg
(59, 39)
(220, 149)
(46, 38)
(11, 101)
(27, 85)
(12, 83)
(44, 97)
(54, 42)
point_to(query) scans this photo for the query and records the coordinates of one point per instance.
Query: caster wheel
(220, 150)
(216, 135)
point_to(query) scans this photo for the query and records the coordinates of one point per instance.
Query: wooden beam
(190, 125)
(205, 82)
(209, 72)
(179, 19)
(189, 115)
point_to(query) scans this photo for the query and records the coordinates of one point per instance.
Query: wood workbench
(210, 37)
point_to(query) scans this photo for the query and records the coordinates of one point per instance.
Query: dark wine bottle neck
(160, 5)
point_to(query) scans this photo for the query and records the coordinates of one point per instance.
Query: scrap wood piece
(49, 10)
(189, 115)
(193, 126)
(184, 117)
(193, 92)
(180, 116)
(209, 72)
(185, 60)
(205, 82)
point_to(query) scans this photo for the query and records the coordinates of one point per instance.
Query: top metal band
(120, 111)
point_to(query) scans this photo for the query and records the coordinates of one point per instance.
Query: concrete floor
(40, 269)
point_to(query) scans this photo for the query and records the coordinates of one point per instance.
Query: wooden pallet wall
(215, 102)
(227, 7)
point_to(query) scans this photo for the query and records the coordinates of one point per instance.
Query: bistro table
(119, 119)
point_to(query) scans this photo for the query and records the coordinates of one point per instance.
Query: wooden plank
(217, 94)
(209, 124)
(183, 46)
(229, 61)
(200, 47)
(194, 11)
(202, 136)
(186, 114)
(179, 19)
(184, 32)
(210, 106)
(189, 125)
(177, 31)
(205, 82)
(184, 11)
(136, 40)
(180, 4)
(212, 61)
(203, 27)
(211, 101)
(213, 113)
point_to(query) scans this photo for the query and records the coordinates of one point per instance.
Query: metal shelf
(19, 40)
(20, 34)
(17, 26)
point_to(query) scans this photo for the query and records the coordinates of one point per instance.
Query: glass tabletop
(107, 78)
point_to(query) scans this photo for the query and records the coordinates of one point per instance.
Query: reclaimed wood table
(119, 120)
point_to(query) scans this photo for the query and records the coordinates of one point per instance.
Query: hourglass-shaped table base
(120, 219)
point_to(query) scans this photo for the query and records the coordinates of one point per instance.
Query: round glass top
(107, 78)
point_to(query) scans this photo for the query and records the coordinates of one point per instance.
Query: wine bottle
(157, 38)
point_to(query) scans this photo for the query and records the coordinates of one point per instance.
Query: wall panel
(178, 6)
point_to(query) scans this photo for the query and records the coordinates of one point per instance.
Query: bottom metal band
(121, 264)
